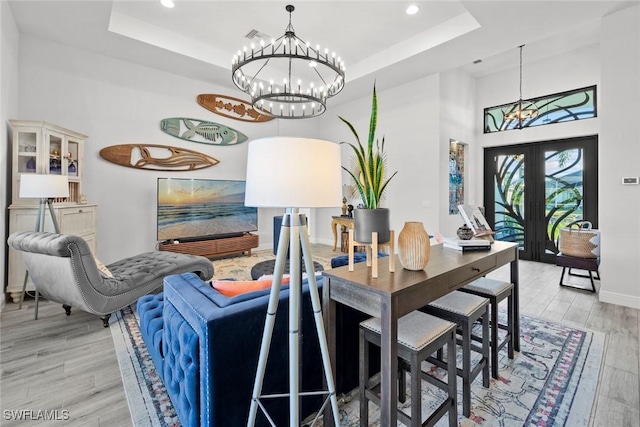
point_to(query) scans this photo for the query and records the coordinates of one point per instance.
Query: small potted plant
(370, 182)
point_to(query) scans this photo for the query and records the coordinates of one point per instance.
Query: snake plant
(368, 163)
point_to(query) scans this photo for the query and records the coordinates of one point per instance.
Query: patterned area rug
(551, 382)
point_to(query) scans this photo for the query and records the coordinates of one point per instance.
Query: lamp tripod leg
(295, 293)
(39, 227)
(24, 288)
(317, 314)
(270, 321)
(53, 217)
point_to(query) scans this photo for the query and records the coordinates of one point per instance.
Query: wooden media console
(214, 247)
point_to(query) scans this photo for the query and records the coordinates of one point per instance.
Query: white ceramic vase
(414, 247)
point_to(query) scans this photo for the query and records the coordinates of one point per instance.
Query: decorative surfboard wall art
(233, 108)
(195, 130)
(157, 157)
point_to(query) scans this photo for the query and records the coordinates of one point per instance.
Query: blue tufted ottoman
(267, 267)
(149, 309)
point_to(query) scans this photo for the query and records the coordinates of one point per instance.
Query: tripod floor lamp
(293, 173)
(44, 187)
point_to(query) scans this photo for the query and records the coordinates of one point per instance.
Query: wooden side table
(339, 221)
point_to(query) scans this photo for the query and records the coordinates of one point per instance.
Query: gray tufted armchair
(64, 270)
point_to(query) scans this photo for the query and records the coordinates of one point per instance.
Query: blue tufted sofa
(205, 347)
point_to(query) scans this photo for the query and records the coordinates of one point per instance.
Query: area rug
(551, 382)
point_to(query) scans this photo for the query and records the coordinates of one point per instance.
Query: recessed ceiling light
(167, 3)
(412, 9)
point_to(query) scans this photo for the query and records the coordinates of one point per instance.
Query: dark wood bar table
(392, 295)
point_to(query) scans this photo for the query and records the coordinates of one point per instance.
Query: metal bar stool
(419, 336)
(495, 291)
(465, 309)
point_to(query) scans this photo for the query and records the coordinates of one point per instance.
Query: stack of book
(466, 245)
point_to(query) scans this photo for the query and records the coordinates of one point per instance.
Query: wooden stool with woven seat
(419, 336)
(465, 309)
(495, 291)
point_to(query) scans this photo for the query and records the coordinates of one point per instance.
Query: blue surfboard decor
(201, 131)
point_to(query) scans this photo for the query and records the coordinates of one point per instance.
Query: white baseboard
(2, 301)
(620, 299)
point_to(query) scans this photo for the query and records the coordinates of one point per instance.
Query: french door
(533, 190)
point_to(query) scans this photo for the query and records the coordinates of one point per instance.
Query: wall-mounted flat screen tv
(190, 209)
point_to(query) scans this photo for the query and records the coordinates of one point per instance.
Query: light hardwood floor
(60, 362)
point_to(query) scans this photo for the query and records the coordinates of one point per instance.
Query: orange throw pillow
(231, 288)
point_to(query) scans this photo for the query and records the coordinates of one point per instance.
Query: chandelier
(288, 78)
(521, 110)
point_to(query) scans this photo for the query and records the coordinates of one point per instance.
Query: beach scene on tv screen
(199, 208)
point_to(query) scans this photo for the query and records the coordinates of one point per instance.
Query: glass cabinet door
(54, 145)
(27, 155)
(72, 158)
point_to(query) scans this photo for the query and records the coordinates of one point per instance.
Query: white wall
(619, 157)
(9, 39)
(116, 102)
(408, 119)
(458, 120)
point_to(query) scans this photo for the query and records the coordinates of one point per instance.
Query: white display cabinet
(43, 148)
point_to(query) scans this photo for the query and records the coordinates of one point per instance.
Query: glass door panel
(564, 185)
(509, 206)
